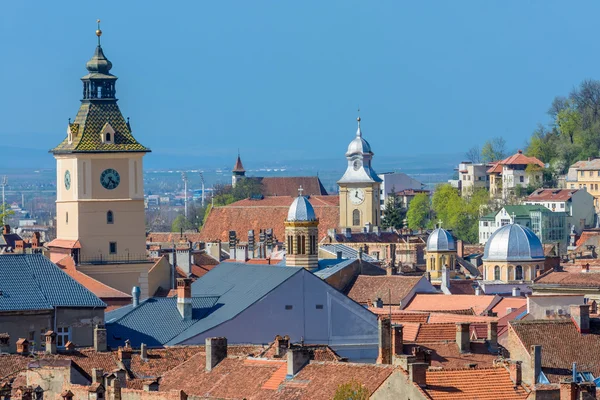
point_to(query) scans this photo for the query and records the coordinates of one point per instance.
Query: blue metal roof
(220, 295)
(32, 282)
(154, 321)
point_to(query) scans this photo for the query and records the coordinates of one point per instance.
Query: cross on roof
(513, 215)
(300, 190)
(440, 223)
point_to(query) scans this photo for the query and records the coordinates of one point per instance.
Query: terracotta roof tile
(462, 286)
(288, 186)
(570, 279)
(447, 355)
(64, 244)
(508, 303)
(368, 288)
(401, 316)
(562, 345)
(269, 212)
(170, 237)
(455, 302)
(503, 322)
(436, 333)
(552, 195)
(444, 317)
(479, 383)
(521, 159)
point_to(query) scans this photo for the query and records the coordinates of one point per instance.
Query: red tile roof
(436, 333)
(570, 279)
(170, 237)
(508, 302)
(455, 302)
(552, 195)
(462, 286)
(288, 186)
(400, 315)
(269, 212)
(562, 345)
(238, 165)
(447, 355)
(64, 244)
(521, 159)
(503, 322)
(366, 288)
(478, 383)
(445, 317)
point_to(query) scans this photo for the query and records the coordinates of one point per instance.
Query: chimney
(463, 340)
(568, 390)
(477, 291)
(378, 303)
(135, 296)
(514, 369)
(390, 270)
(184, 298)
(6, 229)
(296, 360)
(97, 375)
(397, 340)
(121, 377)
(25, 392)
(151, 386)
(67, 395)
(115, 387)
(536, 363)
(377, 230)
(585, 268)
(144, 352)
(22, 346)
(100, 338)
(348, 233)
(417, 373)
(50, 342)
(445, 280)
(281, 345)
(5, 390)
(492, 335)
(516, 291)
(460, 248)
(359, 254)
(70, 347)
(385, 345)
(4, 342)
(216, 351)
(124, 355)
(580, 315)
(339, 255)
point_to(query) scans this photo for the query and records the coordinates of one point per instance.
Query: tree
(394, 213)
(418, 211)
(568, 121)
(494, 150)
(5, 212)
(352, 390)
(473, 155)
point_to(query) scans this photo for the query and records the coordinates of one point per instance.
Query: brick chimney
(296, 360)
(35, 240)
(144, 352)
(22, 346)
(50, 342)
(70, 347)
(281, 345)
(580, 315)
(216, 351)
(535, 354)
(385, 345)
(67, 395)
(151, 386)
(417, 373)
(492, 335)
(514, 369)
(460, 248)
(4, 342)
(463, 339)
(397, 340)
(100, 338)
(124, 355)
(585, 268)
(184, 298)
(378, 303)
(97, 375)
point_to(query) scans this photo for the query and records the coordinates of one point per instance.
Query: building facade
(301, 234)
(441, 252)
(586, 175)
(577, 204)
(518, 170)
(359, 187)
(400, 184)
(472, 176)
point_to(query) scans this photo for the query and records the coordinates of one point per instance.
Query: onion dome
(301, 209)
(513, 242)
(358, 145)
(99, 63)
(441, 240)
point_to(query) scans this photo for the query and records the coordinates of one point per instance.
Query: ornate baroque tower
(301, 234)
(359, 187)
(100, 187)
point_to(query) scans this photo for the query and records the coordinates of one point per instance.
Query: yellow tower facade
(100, 186)
(359, 186)
(440, 252)
(301, 235)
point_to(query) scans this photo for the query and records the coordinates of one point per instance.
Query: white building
(515, 171)
(472, 176)
(578, 204)
(398, 183)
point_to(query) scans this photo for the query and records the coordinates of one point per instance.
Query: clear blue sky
(283, 79)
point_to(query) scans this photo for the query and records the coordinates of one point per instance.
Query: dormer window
(107, 134)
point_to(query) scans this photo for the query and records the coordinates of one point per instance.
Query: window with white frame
(63, 335)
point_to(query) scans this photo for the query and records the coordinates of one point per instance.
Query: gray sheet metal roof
(513, 242)
(440, 240)
(154, 321)
(347, 251)
(328, 267)
(32, 282)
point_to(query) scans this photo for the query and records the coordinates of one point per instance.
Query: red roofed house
(578, 204)
(516, 170)
(388, 290)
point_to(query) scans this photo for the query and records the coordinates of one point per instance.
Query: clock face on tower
(356, 165)
(357, 196)
(110, 179)
(67, 179)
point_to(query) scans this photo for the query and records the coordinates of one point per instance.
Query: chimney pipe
(445, 279)
(397, 340)
(135, 296)
(536, 363)
(339, 255)
(515, 371)
(580, 315)
(144, 352)
(216, 351)
(463, 339)
(516, 291)
(385, 345)
(492, 335)
(296, 360)
(184, 298)
(477, 291)
(100, 338)
(417, 373)
(50, 342)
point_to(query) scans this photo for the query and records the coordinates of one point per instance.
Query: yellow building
(359, 187)
(586, 175)
(301, 234)
(440, 252)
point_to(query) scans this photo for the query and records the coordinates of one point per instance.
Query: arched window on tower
(67, 217)
(290, 245)
(356, 218)
(109, 217)
(497, 273)
(518, 273)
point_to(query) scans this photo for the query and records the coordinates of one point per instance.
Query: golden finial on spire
(358, 119)
(98, 32)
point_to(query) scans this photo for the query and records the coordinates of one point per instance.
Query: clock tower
(100, 188)
(359, 187)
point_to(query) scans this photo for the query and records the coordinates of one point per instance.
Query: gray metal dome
(358, 145)
(513, 242)
(301, 210)
(441, 240)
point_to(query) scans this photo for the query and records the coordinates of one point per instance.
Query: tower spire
(98, 32)
(358, 131)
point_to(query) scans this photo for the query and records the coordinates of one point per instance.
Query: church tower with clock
(100, 188)
(359, 187)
